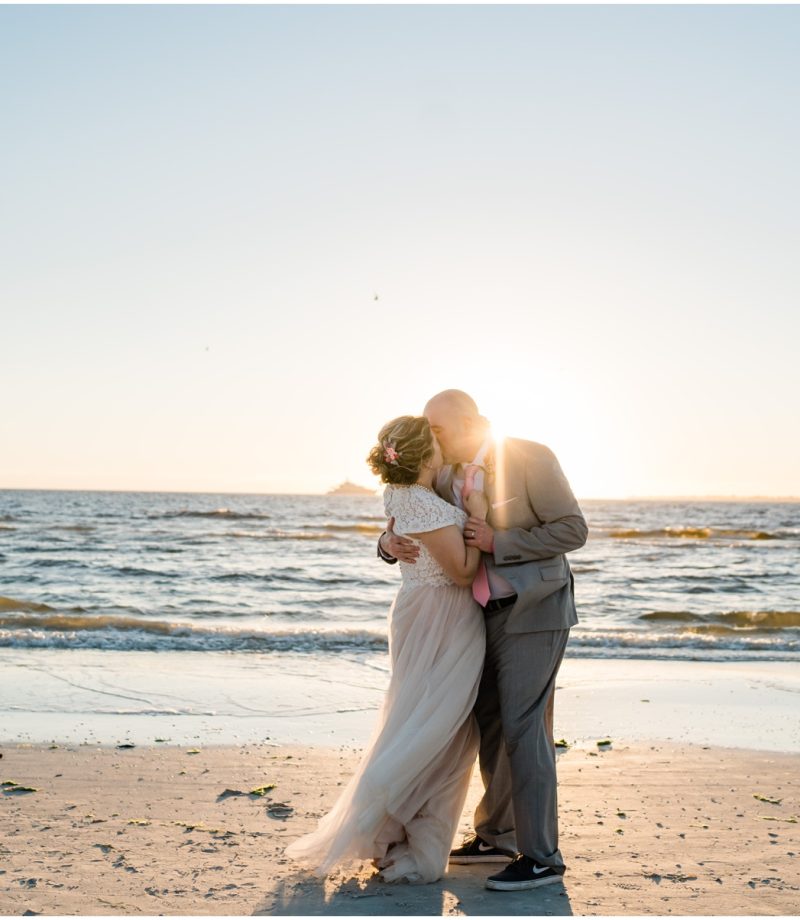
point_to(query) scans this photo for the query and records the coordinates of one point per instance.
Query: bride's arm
(447, 547)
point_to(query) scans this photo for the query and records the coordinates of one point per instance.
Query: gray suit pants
(514, 709)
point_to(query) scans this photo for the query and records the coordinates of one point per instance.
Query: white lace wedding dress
(408, 790)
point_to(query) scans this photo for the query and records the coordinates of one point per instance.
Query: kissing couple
(477, 632)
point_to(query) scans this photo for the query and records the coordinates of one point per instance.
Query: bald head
(454, 401)
(457, 424)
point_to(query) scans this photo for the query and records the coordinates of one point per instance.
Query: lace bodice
(418, 510)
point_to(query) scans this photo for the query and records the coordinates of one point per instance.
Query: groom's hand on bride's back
(397, 547)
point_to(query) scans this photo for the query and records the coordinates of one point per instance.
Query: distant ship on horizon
(350, 488)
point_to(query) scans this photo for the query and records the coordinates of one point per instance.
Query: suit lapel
(444, 484)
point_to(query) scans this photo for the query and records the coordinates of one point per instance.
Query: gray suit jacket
(537, 520)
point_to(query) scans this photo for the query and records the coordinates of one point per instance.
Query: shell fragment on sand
(280, 810)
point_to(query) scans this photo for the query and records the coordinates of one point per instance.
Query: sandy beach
(646, 828)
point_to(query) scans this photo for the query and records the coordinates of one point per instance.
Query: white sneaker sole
(520, 886)
(469, 860)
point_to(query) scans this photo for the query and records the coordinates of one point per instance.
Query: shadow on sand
(461, 891)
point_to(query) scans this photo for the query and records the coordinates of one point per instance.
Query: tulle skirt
(402, 806)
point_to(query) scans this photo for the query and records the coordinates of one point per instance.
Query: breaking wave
(734, 619)
(701, 533)
(29, 625)
(221, 513)
(133, 634)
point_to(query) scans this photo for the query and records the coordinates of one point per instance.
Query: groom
(526, 589)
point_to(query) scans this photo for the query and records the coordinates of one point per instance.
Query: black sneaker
(524, 872)
(474, 850)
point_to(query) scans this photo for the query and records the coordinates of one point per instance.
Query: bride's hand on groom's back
(400, 547)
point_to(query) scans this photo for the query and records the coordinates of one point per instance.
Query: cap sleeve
(418, 511)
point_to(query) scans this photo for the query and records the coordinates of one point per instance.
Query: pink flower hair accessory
(390, 455)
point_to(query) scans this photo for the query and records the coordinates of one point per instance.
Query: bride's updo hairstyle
(404, 446)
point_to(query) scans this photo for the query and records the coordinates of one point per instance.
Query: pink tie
(480, 585)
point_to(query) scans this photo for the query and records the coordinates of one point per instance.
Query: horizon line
(627, 498)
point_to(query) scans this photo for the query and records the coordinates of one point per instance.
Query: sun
(517, 412)
(504, 414)
(499, 428)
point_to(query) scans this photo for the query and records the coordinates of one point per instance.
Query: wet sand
(67, 696)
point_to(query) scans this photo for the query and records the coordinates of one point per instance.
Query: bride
(402, 806)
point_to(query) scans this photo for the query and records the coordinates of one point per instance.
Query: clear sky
(585, 216)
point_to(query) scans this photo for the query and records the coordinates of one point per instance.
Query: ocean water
(297, 575)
